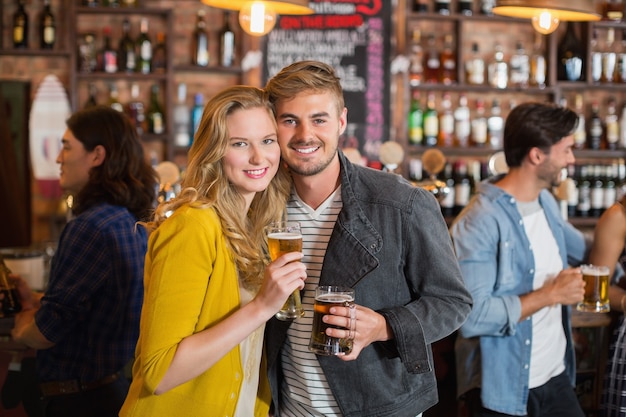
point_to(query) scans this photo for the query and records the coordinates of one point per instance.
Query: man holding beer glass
(515, 353)
(384, 242)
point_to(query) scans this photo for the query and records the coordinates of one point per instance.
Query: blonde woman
(208, 292)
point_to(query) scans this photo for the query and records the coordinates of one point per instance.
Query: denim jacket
(391, 244)
(493, 348)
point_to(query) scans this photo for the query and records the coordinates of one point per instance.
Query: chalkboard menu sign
(354, 37)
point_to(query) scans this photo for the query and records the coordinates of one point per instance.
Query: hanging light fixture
(258, 17)
(546, 14)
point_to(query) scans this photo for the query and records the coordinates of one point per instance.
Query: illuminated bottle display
(20, 26)
(47, 27)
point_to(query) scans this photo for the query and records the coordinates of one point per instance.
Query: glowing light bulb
(545, 22)
(256, 18)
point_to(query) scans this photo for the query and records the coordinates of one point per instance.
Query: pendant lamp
(546, 14)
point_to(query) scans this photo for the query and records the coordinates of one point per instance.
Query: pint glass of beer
(326, 297)
(283, 237)
(596, 297)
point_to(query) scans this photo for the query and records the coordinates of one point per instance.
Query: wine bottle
(182, 118)
(127, 58)
(135, 109)
(47, 27)
(611, 121)
(109, 55)
(114, 101)
(416, 120)
(432, 63)
(462, 127)
(144, 49)
(200, 51)
(475, 67)
(196, 113)
(596, 129)
(159, 54)
(446, 122)
(416, 68)
(431, 122)
(156, 120)
(447, 61)
(570, 56)
(91, 100)
(498, 69)
(580, 134)
(20, 26)
(227, 43)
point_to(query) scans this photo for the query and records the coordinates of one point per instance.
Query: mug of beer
(327, 296)
(283, 237)
(596, 297)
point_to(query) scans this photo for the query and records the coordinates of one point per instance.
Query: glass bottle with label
(92, 93)
(596, 129)
(479, 125)
(47, 27)
(462, 127)
(196, 113)
(447, 61)
(416, 58)
(498, 69)
(620, 65)
(135, 110)
(182, 118)
(431, 122)
(475, 67)
(580, 134)
(159, 54)
(609, 58)
(109, 55)
(20, 26)
(462, 186)
(538, 67)
(144, 48)
(416, 120)
(465, 7)
(156, 120)
(442, 7)
(200, 51)
(495, 126)
(227, 43)
(570, 56)
(446, 122)
(622, 127)
(520, 67)
(431, 59)
(127, 61)
(114, 98)
(611, 122)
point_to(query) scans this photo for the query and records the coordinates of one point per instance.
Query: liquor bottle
(486, 7)
(475, 67)
(416, 120)
(431, 59)
(462, 186)
(479, 125)
(92, 93)
(156, 120)
(228, 45)
(596, 130)
(136, 110)
(114, 101)
(182, 118)
(431, 122)
(465, 7)
(159, 55)
(611, 123)
(442, 7)
(498, 69)
(538, 67)
(610, 185)
(580, 134)
(447, 202)
(446, 122)
(622, 127)
(520, 67)
(416, 67)
(196, 113)
(495, 126)
(109, 55)
(609, 58)
(20, 26)
(584, 192)
(620, 186)
(596, 57)
(570, 56)
(47, 27)
(572, 195)
(144, 48)
(127, 59)
(200, 53)
(620, 65)
(462, 127)
(612, 10)
(447, 61)
(596, 191)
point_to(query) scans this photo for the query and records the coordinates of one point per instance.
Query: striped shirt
(305, 391)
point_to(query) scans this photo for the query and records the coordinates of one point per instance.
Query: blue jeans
(555, 398)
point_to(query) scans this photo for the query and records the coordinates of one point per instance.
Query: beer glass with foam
(283, 237)
(596, 297)
(326, 297)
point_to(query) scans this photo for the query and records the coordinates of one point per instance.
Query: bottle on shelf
(580, 134)
(609, 58)
(47, 27)
(416, 120)
(112, 3)
(596, 191)
(584, 192)
(420, 6)
(622, 127)
(129, 3)
(11, 303)
(114, 98)
(620, 64)
(446, 122)
(200, 44)
(127, 59)
(610, 185)
(228, 46)
(442, 7)
(475, 67)
(196, 113)
(447, 61)
(466, 7)
(612, 10)
(596, 57)
(498, 69)
(144, 48)
(431, 121)
(520, 67)
(447, 202)
(20, 26)
(92, 93)
(570, 56)
(479, 125)
(182, 118)
(462, 128)
(538, 67)
(572, 195)
(611, 123)
(159, 55)
(462, 186)
(595, 131)
(495, 126)
(416, 58)
(432, 65)
(109, 55)
(486, 7)
(136, 110)
(155, 116)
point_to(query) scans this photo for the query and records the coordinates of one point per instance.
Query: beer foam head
(285, 235)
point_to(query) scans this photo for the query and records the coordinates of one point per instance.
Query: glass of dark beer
(327, 296)
(283, 237)
(596, 298)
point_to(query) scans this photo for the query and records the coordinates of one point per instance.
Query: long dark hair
(125, 178)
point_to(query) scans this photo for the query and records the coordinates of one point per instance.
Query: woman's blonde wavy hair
(205, 185)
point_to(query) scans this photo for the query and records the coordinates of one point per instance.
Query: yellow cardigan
(190, 284)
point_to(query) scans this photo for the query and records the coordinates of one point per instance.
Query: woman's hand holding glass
(282, 277)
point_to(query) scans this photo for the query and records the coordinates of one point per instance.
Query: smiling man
(371, 231)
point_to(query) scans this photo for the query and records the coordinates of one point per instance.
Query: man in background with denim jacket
(514, 353)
